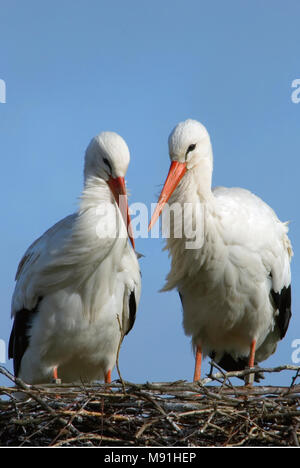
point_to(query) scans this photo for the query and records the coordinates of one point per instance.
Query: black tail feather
(228, 363)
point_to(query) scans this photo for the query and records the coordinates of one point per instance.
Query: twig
(118, 352)
(250, 371)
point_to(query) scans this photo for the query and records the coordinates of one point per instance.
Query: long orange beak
(118, 188)
(176, 172)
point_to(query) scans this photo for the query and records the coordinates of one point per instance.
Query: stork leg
(55, 378)
(250, 378)
(107, 377)
(198, 361)
(55, 375)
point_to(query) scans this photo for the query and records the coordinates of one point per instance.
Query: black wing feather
(132, 311)
(19, 337)
(282, 302)
(181, 297)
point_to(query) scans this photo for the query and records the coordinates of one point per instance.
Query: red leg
(198, 361)
(252, 353)
(250, 378)
(55, 379)
(55, 375)
(107, 377)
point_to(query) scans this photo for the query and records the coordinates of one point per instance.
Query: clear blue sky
(75, 68)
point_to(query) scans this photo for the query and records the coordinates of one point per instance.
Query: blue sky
(75, 68)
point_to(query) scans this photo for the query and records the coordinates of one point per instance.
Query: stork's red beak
(176, 172)
(118, 188)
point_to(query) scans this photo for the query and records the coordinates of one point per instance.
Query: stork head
(107, 157)
(188, 143)
(189, 148)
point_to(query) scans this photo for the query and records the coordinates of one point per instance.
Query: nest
(212, 412)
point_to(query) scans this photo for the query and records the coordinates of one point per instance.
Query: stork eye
(106, 161)
(190, 148)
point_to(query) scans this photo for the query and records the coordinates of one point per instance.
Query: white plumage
(235, 286)
(77, 279)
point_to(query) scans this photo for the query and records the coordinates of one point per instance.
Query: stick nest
(212, 412)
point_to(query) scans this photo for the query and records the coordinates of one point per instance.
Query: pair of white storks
(78, 285)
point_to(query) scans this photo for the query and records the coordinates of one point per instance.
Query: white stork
(235, 287)
(78, 285)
